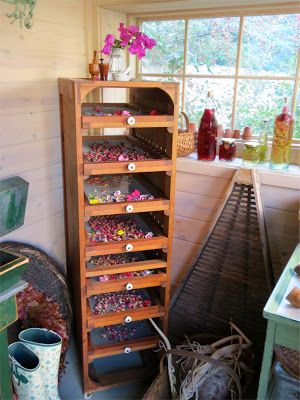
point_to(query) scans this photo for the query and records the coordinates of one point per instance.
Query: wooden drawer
(152, 280)
(95, 321)
(134, 336)
(133, 345)
(94, 249)
(137, 121)
(124, 207)
(125, 166)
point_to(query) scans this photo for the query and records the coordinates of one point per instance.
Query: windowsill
(282, 178)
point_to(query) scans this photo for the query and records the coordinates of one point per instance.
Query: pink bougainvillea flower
(118, 112)
(126, 113)
(106, 49)
(148, 42)
(133, 29)
(137, 48)
(125, 35)
(109, 39)
(129, 197)
(136, 194)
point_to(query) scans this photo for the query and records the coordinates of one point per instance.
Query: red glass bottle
(207, 133)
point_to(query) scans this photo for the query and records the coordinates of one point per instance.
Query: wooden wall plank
(21, 98)
(39, 233)
(32, 65)
(29, 156)
(44, 206)
(281, 198)
(194, 206)
(281, 223)
(68, 12)
(43, 180)
(30, 127)
(190, 229)
(57, 250)
(204, 185)
(44, 37)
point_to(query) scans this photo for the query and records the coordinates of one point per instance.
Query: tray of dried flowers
(122, 153)
(121, 338)
(127, 272)
(122, 233)
(114, 115)
(123, 307)
(121, 194)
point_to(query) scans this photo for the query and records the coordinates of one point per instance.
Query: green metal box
(13, 198)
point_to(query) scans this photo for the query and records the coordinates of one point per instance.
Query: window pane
(270, 45)
(167, 55)
(260, 99)
(297, 116)
(212, 45)
(196, 95)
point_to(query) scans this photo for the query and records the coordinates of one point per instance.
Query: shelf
(111, 318)
(101, 197)
(141, 337)
(137, 118)
(155, 161)
(144, 222)
(121, 369)
(128, 267)
(152, 280)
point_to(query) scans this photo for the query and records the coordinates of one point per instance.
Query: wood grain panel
(194, 206)
(21, 98)
(190, 229)
(44, 37)
(43, 180)
(281, 223)
(30, 127)
(39, 233)
(31, 65)
(184, 251)
(57, 11)
(201, 184)
(281, 198)
(26, 157)
(43, 206)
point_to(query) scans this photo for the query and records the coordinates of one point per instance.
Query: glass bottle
(116, 60)
(282, 139)
(207, 132)
(263, 142)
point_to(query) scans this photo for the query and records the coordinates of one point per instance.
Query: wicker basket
(289, 359)
(185, 139)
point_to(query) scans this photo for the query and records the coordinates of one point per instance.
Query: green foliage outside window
(269, 48)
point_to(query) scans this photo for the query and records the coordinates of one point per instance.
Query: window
(250, 62)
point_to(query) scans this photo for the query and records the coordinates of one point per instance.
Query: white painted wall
(30, 63)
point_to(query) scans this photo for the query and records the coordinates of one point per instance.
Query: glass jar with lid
(250, 154)
(227, 149)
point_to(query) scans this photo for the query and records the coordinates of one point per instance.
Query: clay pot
(228, 133)
(237, 134)
(294, 297)
(247, 133)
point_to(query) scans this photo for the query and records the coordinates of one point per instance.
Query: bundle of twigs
(212, 371)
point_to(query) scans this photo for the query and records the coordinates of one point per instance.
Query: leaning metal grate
(231, 278)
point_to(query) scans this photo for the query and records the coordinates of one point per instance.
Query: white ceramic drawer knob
(130, 120)
(128, 319)
(131, 167)
(127, 350)
(129, 247)
(129, 286)
(129, 208)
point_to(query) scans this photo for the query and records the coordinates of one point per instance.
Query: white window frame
(237, 76)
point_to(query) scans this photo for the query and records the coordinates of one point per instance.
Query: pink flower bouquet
(131, 37)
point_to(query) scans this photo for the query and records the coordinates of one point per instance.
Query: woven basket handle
(187, 121)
